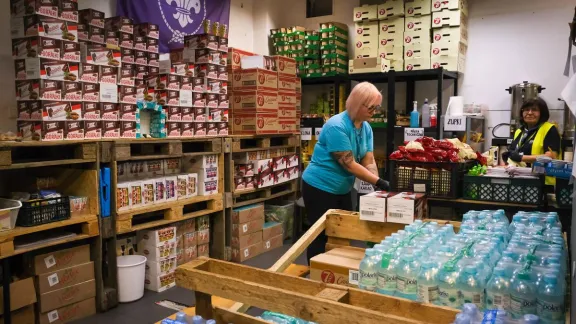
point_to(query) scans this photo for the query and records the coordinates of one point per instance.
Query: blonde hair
(364, 93)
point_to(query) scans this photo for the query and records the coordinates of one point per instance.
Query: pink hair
(363, 94)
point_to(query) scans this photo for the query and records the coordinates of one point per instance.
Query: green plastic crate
(312, 37)
(513, 190)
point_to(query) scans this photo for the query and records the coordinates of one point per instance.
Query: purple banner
(176, 18)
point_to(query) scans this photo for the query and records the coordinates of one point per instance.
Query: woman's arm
(551, 146)
(370, 163)
(346, 160)
(532, 158)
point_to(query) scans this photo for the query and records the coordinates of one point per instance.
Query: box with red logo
(258, 62)
(211, 129)
(337, 269)
(367, 30)
(418, 8)
(264, 180)
(187, 113)
(392, 26)
(236, 55)
(36, 47)
(167, 82)
(288, 125)
(286, 83)
(255, 79)
(259, 100)
(59, 110)
(280, 176)
(439, 5)
(36, 25)
(74, 130)
(69, 313)
(147, 30)
(366, 47)
(200, 41)
(92, 129)
(421, 36)
(89, 73)
(450, 63)
(217, 115)
(110, 129)
(216, 86)
(222, 128)
(422, 63)
(199, 129)
(405, 207)
(91, 17)
(450, 34)
(391, 39)
(187, 129)
(286, 98)
(448, 49)
(365, 13)
(390, 9)
(200, 114)
(418, 50)
(293, 173)
(449, 18)
(71, 91)
(100, 55)
(251, 122)
(240, 255)
(243, 241)
(391, 52)
(154, 61)
(67, 296)
(223, 101)
(19, 8)
(173, 113)
(128, 129)
(202, 55)
(417, 23)
(173, 129)
(287, 111)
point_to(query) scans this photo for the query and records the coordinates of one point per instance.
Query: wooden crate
(244, 143)
(303, 298)
(32, 154)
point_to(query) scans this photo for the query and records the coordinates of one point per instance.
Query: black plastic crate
(439, 179)
(513, 190)
(563, 192)
(43, 211)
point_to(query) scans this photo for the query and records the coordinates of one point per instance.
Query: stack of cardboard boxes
(192, 239)
(260, 169)
(206, 167)
(264, 97)
(449, 34)
(159, 248)
(300, 44)
(251, 236)
(65, 284)
(333, 49)
(22, 301)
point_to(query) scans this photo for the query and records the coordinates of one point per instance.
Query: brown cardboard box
(271, 229)
(22, 293)
(51, 281)
(250, 122)
(272, 243)
(24, 315)
(67, 296)
(348, 252)
(248, 227)
(240, 255)
(248, 213)
(58, 260)
(244, 241)
(334, 269)
(69, 313)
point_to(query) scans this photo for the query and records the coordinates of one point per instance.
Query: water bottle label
(427, 294)
(367, 280)
(406, 285)
(520, 306)
(473, 297)
(550, 311)
(497, 301)
(449, 297)
(386, 282)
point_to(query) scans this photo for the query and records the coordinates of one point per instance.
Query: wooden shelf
(168, 221)
(19, 231)
(51, 243)
(45, 164)
(166, 205)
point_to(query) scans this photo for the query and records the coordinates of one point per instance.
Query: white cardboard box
(366, 65)
(417, 23)
(123, 197)
(162, 267)
(366, 29)
(159, 190)
(393, 25)
(438, 5)
(450, 34)
(198, 162)
(404, 208)
(422, 63)
(148, 192)
(135, 194)
(171, 188)
(417, 37)
(366, 47)
(417, 8)
(160, 283)
(293, 173)
(157, 237)
(292, 161)
(412, 51)
(164, 251)
(263, 181)
(207, 174)
(373, 206)
(448, 49)
(389, 39)
(390, 9)
(192, 189)
(366, 12)
(450, 63)
(391, 52)
(207, 188)
(182, 186)
(449, 18)
(261, 166)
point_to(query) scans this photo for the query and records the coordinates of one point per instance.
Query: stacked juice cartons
(417, 26)
(449, 34)
(46, 57)
(333, 49)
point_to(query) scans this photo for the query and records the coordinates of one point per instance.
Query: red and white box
(251, 122)
(417, 37)
(187, 114)
(406, 207)
(187, 129)
(199, 129)
(286, 98)
(392, 26)
(288, 111)
(286, 83)
(74, 130)
(110, 129)
(211, 100)
(236, 55)
(418, 50)
(450, 34)
(255, 79)
(92, 17)
(261, 101)
(128, 129)
(449, 18)
(418, 8)
(365, 12)
(173, 130)
(373, 206)
(389, 9)
(71, 91)
(439, 5)
(92, 129)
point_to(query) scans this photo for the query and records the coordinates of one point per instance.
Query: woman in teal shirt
(344, 152)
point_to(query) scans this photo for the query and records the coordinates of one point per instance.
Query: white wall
(241, 31)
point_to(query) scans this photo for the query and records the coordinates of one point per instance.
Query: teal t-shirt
(338, 135)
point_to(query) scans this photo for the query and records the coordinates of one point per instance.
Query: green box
(312, 37)
(335, 56)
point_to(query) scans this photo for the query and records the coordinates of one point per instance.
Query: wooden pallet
(31, 154)
(244, 143)
(83, 226)
(303, 298)
(166, 213)
(194, 147)
(140, 149)
(252, 196)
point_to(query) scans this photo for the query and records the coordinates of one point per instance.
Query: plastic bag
(444, 144)
(453, 156)
(414, 147)
(402, 149)
(420, 157)
(436, 152)
(397, 155)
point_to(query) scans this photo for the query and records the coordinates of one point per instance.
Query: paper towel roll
(455, 106)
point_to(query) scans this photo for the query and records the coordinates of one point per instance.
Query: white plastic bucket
(131, 272)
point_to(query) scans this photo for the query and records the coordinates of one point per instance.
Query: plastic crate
(440, 179)
(43, 211)
(8, 213)
(513, 190)
(563, 193)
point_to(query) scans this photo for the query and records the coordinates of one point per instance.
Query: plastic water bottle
(425, 114)
(210, 321)
(427, 283)
(470, 287)
(497, 290)
(530, 319)
(368, 271)
(447, 290)
(197, 319)
(386, 283)
(406, 274)
(522, 296)
(181, 317)
(462, 319)
(550, 300)
(472, 311)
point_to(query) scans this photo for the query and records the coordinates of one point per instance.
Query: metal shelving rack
(410, 77)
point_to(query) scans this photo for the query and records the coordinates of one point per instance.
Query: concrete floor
(145, 311)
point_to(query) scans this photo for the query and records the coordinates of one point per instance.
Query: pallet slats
(241, 143)
(17, 155)
(253, 196)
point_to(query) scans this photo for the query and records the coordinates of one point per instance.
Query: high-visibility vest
(538, 145)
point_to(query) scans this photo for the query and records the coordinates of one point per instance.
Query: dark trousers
(317, 202)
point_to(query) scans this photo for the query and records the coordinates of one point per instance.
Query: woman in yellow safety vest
(537, 137)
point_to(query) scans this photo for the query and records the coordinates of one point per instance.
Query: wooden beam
(347, 225)
(203, 304)
(222, 315)
(336, 295)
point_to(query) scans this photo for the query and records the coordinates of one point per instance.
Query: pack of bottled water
(182, 318)
(518, 268)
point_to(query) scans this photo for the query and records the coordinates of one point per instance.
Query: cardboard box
(49, 8)
(391, 52)
(348, 252)
(271, 229)
(285, 65)
(404, 208)
(57, 260)
(390, 9)
(450, 63)
(260, 100)
(265, 180)
(417, 37)
(293, 173)
(449, 18)
(250, 122)
(286, 83)
(240, 255)
(391, 39)
(367, 65)
(366, 12)
(157, 237)
(373, 206)
(161, 267)
(255, 79)
(418, 8)
(422, 63)
(69, 313)
(24, 315)
(248, 213)
(366, 29)
(450, 34)
(66, 296)
(392, 26)
(199, 162)
(207, 188)
(236, 55)
(417, 50)
(51, 281)
(258, 62)
(248, 227)
(160, 283)
(417, 23)
(166, 250)
(203, 250)
(92, 129)
(244, 241)
(439, 5)
(448, 49)
(262, 166)
(272, 243)
(22, 293)
(335, 269)
(366, 47)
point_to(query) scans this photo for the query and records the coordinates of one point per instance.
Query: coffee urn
(521, 92)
